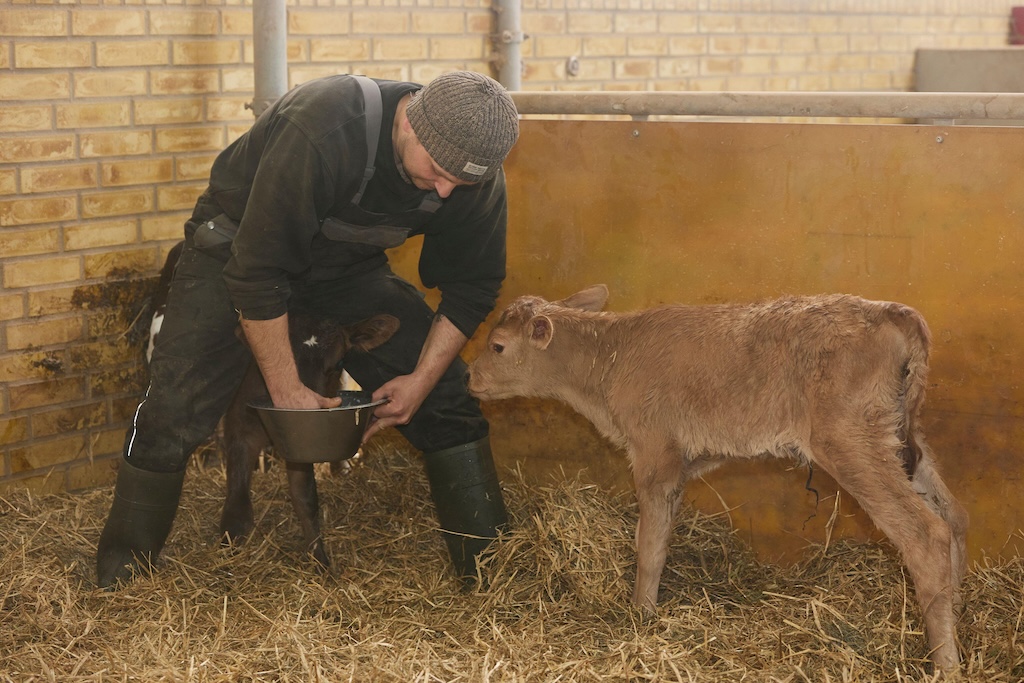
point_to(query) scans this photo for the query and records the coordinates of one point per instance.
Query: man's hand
(268, 340)
(407, 392)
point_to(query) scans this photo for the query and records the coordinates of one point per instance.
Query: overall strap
(374, 110)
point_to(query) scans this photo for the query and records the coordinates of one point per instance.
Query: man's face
(424, 172)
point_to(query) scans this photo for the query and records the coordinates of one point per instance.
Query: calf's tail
(915, 376)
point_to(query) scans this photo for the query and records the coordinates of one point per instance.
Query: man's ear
(541, 331)
(590, 299)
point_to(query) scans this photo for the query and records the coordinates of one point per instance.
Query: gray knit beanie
(467, 122)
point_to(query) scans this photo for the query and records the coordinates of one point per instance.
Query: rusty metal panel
(733, 212)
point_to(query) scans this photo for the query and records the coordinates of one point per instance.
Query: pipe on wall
(270, 53)
(507, 42)
(908, 105)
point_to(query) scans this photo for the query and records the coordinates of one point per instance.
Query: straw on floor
(555, 607)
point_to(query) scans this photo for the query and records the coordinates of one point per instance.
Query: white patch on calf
(311, 342)
(154, 330)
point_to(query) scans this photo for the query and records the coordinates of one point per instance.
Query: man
(297, 217)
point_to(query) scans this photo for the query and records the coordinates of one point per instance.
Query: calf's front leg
(302, 491)
(657, 475)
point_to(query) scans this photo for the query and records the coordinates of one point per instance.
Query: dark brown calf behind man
(835, 380)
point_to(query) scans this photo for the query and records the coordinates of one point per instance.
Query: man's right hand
(272, 350)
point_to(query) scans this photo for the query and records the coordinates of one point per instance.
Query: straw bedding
(555, 609)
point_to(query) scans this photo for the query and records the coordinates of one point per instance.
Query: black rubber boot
(467, 495)
(140, 520)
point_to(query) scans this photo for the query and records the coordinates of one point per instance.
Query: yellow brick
(186, 52)
(30, 211)
(754, 64)
(45, 484)
(636, 23)
(49, 301)
(439, 21)
(111, 382)
(69, 419)
(37, 148)
(688, 45)
(717, 23)
(339, 49)
(190, 22)
(238, 22)
(176, 197)
(19, 119)
(93, 115)
(108, 442)
(557, 46)
(590, 22)
(400, 48)
(240, 80)
(185, 82)
(5, 59)
(52, 55)
(12, 306)
(380, 22)
(92, 474)
(714, 66)
(676, 23)
(190, 139)
(113, 262)
(120, 173)
(458, 48)
(228, 109)
(479, 22)
(677, 67)
(641, 46)
(164, 226)
(317, 22)
(635, 68)
(107, 22)
(8, 181)
(110, 83)
(110, 352)
(91, 235)
(60, 177)
(116, 144)
(43, 333)
(545, 70)
(33, 22)
(38, 365)
(604, 46)
(539, 23)
(121, 203)
(28, 242)
(186, 110)
(32, 86)
(726, 44)
(194, 167)
(46, 271)
(132, 53)
(47, 453)
(13, 430)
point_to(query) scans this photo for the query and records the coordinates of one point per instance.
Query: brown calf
(318, 345)
(834, 380)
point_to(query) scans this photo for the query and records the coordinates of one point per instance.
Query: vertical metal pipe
(270, 52)
(510, 37)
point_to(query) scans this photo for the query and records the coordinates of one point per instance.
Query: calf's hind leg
(869, 469)
(929, 485)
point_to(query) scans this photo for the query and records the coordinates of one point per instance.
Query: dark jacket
(301, 163)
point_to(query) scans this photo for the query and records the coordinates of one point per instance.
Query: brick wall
(111, 114)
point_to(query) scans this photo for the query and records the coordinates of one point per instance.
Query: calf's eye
(497, 348)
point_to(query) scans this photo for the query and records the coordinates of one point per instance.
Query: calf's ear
(592, 298)
(541, 331)
(371, 333)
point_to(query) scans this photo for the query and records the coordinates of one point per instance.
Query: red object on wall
(1017, 26)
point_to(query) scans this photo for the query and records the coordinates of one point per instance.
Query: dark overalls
(199, 362)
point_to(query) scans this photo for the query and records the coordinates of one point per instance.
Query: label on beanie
(474, 169)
